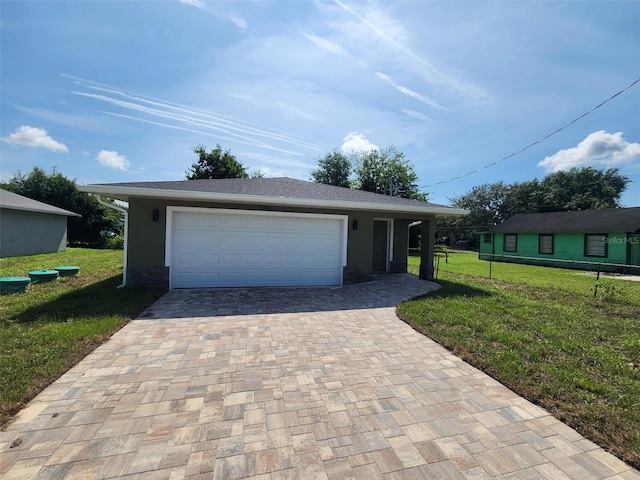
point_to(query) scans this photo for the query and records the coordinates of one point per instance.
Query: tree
(582, 189)
(55, 189)
(575, 189)
(386, 171)
(215, 164)
(486, 204)
(333, 169)
(383, 171)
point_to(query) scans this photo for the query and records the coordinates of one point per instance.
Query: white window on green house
(510, 243)
(545, 244)
(595, 245)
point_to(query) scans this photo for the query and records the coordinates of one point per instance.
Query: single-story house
(265, 232)
(29, 227)
(598, 239)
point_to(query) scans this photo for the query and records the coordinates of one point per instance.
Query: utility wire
(537, 141)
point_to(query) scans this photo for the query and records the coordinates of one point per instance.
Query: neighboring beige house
(266, 232)
(29, 227)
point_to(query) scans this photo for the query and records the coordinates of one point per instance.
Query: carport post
(426, 249)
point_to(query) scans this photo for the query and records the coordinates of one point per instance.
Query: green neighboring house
(607, 239)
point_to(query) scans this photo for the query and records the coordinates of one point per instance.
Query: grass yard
(575, 355)
(574, 281)
(48, 329)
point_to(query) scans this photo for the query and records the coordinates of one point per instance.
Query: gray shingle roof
(268, 188)
(283, 187)
(13, 201)
(625, 220)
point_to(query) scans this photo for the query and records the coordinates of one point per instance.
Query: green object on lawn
(10, 285)
(43, 275)
(67, 270)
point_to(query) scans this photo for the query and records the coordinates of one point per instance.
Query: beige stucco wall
(31, 233)
(147, 238)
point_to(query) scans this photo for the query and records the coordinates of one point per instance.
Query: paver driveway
(288, 383)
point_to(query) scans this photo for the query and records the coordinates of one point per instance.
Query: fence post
(490, 266)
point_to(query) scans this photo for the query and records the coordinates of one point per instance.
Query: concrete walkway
(288, 383)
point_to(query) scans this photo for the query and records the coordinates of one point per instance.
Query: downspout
(126, 236)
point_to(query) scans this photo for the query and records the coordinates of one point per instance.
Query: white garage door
(224, 248)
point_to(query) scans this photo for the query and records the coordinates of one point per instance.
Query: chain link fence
(605, 281)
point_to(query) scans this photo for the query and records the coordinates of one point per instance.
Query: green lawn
(573, 281)
(48, 329)
(575, 355)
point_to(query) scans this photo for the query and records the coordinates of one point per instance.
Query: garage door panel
(230, 259)
(209, 221)
(210, 259)
(274, 224)
(234, 223)
(328, 259)
(212, 249)
(231, 240)
(188, 259)
(209, 277)
(187, 279)
(254, 223)
(184, 221)
(209, 240)
(185, 238)
(252, 259)
(272, 261)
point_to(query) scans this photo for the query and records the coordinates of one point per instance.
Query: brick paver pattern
(271, 383)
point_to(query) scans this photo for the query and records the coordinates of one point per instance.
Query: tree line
(97, 225)
(490, 204)
(385, 171)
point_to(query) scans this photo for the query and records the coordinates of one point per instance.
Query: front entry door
(380, 245)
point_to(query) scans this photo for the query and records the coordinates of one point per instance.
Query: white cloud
(112, 159)
(356, 142)
(292, 111)
(599, 148)
(394, 34)
(326, 44)
(185, 118)
(194, 3)
(34, 137)
(250, 158)
(270, 172)
(238, 21)
(414, 114)
(408, 92)
(233, 18)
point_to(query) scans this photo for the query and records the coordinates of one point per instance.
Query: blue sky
(110, 91)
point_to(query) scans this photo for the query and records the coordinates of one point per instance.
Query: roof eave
(124, 193)
(64, 213)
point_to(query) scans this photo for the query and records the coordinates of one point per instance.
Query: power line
(537, 141)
